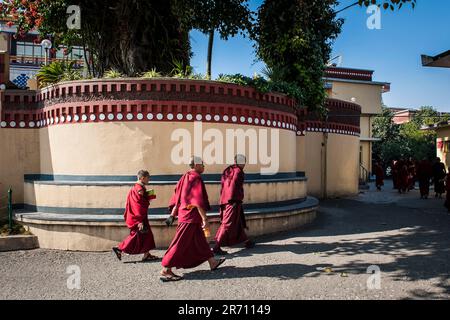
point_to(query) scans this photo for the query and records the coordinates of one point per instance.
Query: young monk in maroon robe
(424, 174)
(189, 248)
(379, 176)
(395, 173)
(233, 225)
(141, 238)
(403, 177)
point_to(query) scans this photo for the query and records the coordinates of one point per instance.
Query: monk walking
(233, 224)
(403, 176)
(141, 238)
(395, 172)
(189, 203)
(424, 173)
(379, 176)
(439, 174)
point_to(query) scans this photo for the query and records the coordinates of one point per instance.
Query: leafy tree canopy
(294, 37)
(408, 139)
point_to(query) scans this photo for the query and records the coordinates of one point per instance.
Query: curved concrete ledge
(87, 198)
(101, 232)
(64, 213)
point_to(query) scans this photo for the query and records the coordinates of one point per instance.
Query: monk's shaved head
(142, 174)
(194, 161)
(240, 159)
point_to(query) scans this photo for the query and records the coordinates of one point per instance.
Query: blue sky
(392, 52)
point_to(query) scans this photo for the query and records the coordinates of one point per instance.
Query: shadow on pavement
(287, 271)
(418, 239)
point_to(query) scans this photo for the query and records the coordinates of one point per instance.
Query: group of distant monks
(189, 204)
(405, 174)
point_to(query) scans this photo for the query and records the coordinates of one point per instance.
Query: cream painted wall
(19, 155)
(366, 126)
(368, 96)
(342, 164)
(123, 148)
(301, 153)
(314, 161)
(366, 155)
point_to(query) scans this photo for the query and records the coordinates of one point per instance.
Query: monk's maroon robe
(403, 177)
(379, 175)
(136, 211)
(424, 174)
(232, 227)
(189, 248)
(395, 174)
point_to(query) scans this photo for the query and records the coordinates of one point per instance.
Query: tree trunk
(209, 58)
(134, 36)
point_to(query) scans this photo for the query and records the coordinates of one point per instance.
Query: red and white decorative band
(171, 111)
(346, 130)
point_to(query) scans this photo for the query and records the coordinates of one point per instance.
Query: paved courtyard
(406, 237)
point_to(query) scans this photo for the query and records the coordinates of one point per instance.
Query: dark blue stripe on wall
(151, 211)
(173, 178)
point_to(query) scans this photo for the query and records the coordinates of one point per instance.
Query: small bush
(57, 71)
(112, 74)
(180, 70)
(197, 76)
(263, 85)
(71, 75)
(17, 229)
(151, 74)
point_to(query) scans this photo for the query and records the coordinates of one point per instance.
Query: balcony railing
(347, 73)
(39, 61)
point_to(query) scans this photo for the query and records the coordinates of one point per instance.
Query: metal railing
(39, 61)
(363, 175)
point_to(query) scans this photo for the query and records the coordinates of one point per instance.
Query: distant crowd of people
(407, 172)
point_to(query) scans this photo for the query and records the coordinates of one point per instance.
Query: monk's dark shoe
(150, 258)
(219, 252)
(170, 278)
(219, 262)
(118, 253)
